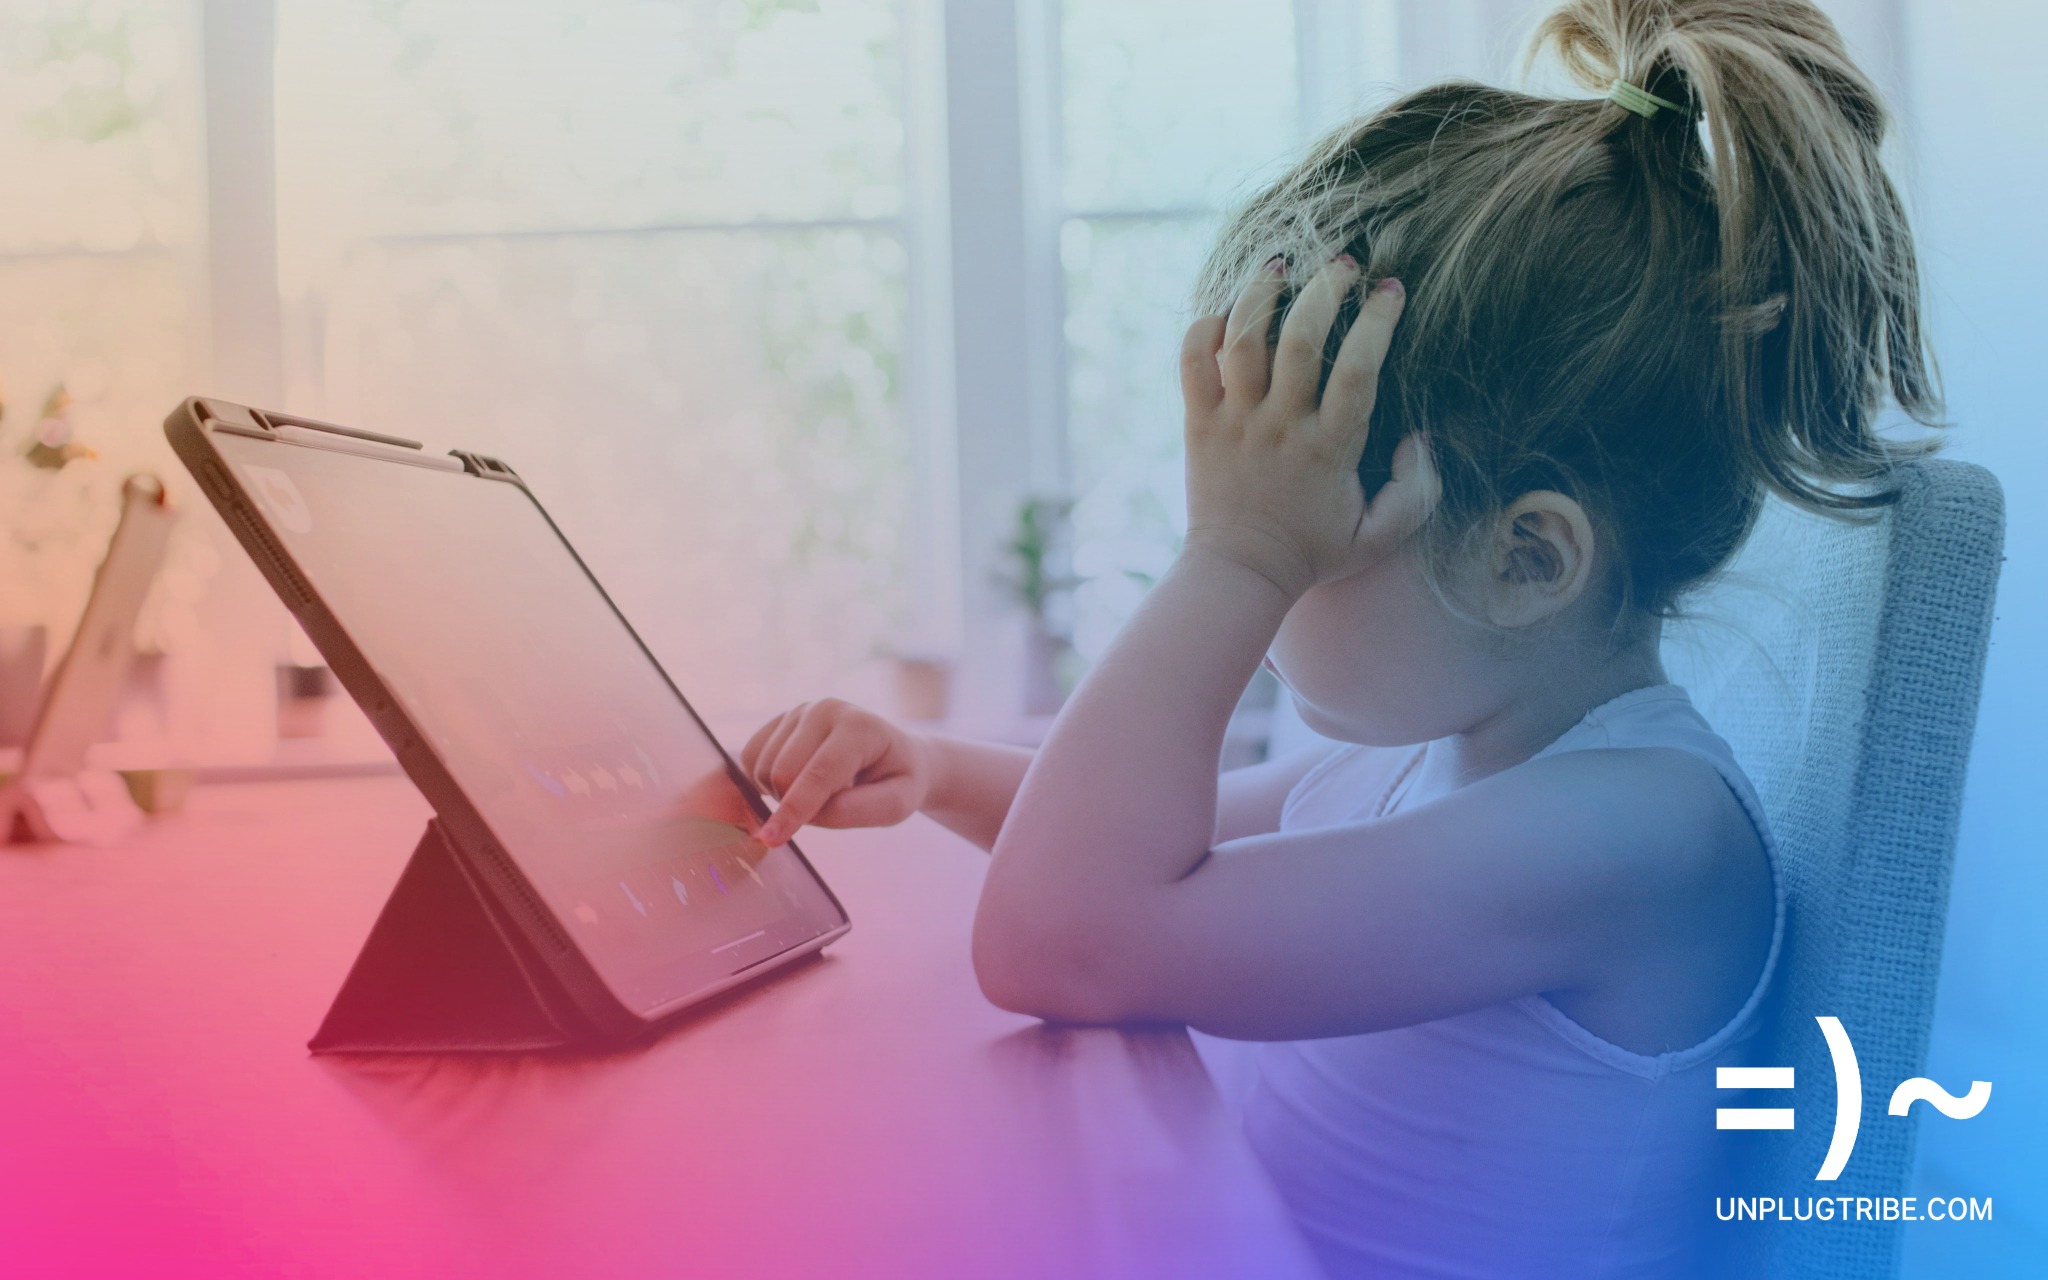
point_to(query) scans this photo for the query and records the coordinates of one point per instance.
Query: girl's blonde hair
(1661, 317)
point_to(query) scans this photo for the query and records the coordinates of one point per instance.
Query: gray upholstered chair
(1842, 661)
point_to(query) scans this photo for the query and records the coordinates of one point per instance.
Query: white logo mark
(1848, 1098)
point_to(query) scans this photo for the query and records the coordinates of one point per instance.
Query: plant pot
(1047, 661)
(923, 687)
(304, 695)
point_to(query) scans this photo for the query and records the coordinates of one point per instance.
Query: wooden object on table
(55, 796)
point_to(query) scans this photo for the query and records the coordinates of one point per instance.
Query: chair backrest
(1842, 661)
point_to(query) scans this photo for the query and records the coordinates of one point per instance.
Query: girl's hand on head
(836, 765)
(1273, 475)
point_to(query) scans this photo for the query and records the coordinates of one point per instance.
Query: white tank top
(1509, 1141)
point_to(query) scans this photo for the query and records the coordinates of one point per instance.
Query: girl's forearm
(973, 785)
(1122, 797)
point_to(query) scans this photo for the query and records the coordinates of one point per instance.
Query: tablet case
(453, 963)
(441, 972)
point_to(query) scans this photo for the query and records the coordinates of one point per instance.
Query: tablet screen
(590, 771)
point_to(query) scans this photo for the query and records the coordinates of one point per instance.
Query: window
(99, 263)
(655, 256)
(1169, 112)
(677, 262)
(1166, 107)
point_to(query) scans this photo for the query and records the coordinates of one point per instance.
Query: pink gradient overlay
(866, 1115)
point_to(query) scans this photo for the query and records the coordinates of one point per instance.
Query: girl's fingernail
(1393, 288)
(1277, 265)
(1348, 262)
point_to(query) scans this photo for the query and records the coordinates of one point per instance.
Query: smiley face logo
(1848, 1098)
(279, 496)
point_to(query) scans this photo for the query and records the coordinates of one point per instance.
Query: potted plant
(1040, 578)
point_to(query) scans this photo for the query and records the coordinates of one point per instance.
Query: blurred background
(839, 336)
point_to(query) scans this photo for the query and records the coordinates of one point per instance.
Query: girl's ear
(1540, 560)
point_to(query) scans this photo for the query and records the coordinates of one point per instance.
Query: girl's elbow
(1057, 974)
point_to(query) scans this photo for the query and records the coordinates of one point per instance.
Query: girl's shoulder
(1663, 716)
(1648, 763)
(1654, 715)
(1356, 783)
(1653, 746)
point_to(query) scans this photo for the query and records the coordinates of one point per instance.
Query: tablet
(577, 782)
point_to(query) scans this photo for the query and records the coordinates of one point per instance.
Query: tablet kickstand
(438, 974)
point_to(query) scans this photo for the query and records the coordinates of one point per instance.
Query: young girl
(1492, 950)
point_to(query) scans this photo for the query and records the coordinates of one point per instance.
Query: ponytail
(1816, 278)
(1663, 317)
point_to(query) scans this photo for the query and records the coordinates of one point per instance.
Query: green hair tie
(1641, 101)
